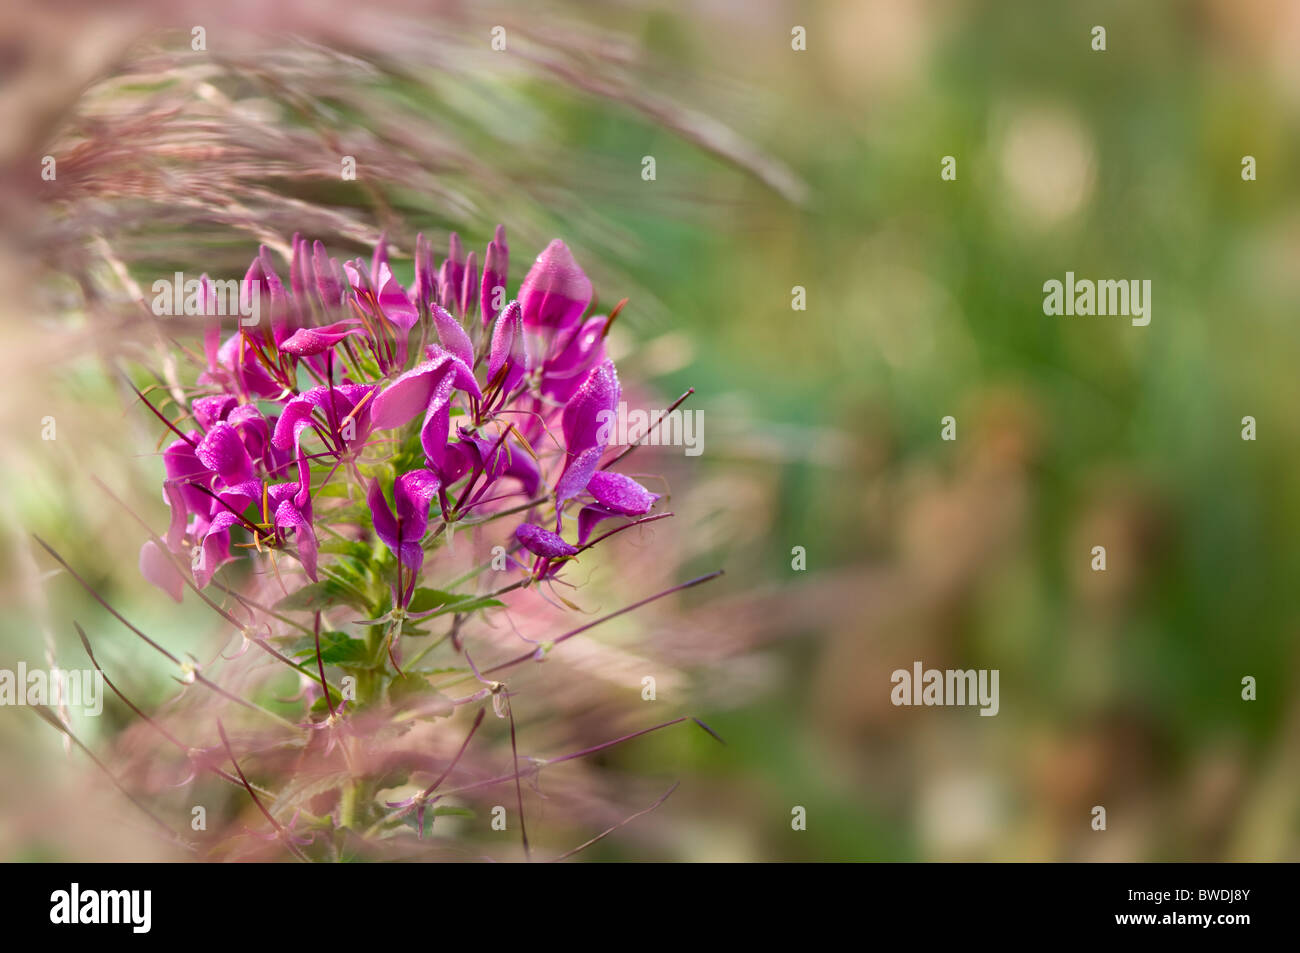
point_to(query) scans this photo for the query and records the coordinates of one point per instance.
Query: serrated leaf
(413, 694)
(412, 820)
(336, 648)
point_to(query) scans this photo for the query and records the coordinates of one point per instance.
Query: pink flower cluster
(512, 399)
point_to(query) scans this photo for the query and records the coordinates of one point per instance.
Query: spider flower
(301, 416)
(335, 448)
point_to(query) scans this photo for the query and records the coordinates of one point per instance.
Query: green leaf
(412, 819)
(448, 602)
(351, 513)
(449, 811)
(385, 472)
(336, 648)
(470, 604)
(410, 692)
(321, 595)
(425, 599)
(348, 547)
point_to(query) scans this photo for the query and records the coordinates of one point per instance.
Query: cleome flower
(336, 444)
(318, 405)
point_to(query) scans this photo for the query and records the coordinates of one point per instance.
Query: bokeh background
(775, 168)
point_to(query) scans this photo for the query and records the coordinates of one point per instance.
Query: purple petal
(455, 270)
(437, 419)
(297, 417)
(410, 394)
(405, 397)
(215, 549)
(329, 283)
(576, 474)
(157, 567)
(588, 414)
(555, 291)
(394, 300)
(222, 450)
(290, 517)
(357, 278)
(252, 427)
(589, 517)
(208, 410)
(426, 278)
(183, 469)
(469, 286)
(446, 290)
(261, 279)
(381, 515)
(299, 266)
(174, 496)
(308, 341)
(378, 259)
(495, 461)
(211, 335)
(564, 372)
(523, 468)
(412, 493)
(509, 349)
(496, 270)
(542, 542)
(586, 422)
(252, 376)
(238, 496)
(620, 493)
(452, 335)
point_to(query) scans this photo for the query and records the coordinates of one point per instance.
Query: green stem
(348, 804)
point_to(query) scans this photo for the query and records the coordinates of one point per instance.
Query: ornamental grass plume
(332, 448)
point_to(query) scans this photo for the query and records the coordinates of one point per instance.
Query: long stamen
(153, 723)
(85, 642)
(637, 522)
(651, 429)
(100, 599)
(159, 414)
(428, 792)
(519, 791)
(49, 718)
(329, 702)
(594, 749)
(627, 820)
(284, 834)
(591, 625)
